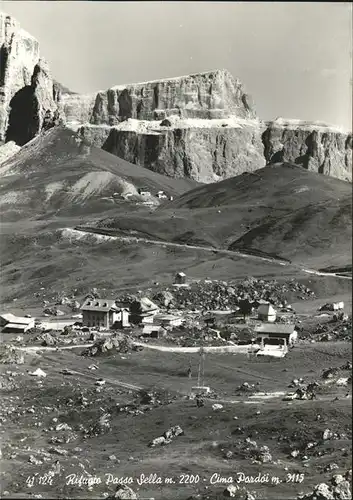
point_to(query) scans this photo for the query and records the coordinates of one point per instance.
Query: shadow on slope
(281, 210)
(58, 173)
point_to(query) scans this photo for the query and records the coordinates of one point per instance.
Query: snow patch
(52, 188)
(293, 124)
(153, 127)
(74, 234)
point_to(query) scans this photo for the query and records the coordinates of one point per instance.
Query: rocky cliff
(314, 146)
(198, 149)
(210, 95)
(29, 100)
(203, 126)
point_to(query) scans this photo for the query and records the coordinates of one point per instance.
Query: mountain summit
(202, 126)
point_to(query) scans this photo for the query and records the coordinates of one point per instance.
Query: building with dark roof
(103, 313)
(275, 334)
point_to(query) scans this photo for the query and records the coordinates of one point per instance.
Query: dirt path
(81, 232)
(235, 349)
(46, 348)
(220, 349)
(115, 382)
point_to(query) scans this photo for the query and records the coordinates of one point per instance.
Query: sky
(295, 59)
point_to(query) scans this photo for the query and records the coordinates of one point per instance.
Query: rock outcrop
(210, 95)
(204, 127)
(29, 100)
(316, 147)
(205, 152)
(200, 126)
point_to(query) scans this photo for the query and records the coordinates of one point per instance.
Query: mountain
(201, 126)
(281, 210)
(315, 146)
(58, 173)
(29, 99)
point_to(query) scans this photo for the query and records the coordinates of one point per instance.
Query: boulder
(231, 491)
(158, 441)
(124, 492)
(10, 356)
(327, 434)
(174, 431)
(47, 339)
(118, 343)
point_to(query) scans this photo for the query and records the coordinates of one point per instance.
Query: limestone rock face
(19, 53)
(204, 154)
(211, 133)
(211, 95)
(316, 147)
(28, 98)
(203, 126)
(77, 108)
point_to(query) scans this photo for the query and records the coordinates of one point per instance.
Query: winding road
(81, 233)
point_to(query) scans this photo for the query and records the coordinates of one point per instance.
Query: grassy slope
(32, 253)
(56, 162)
(280, 210)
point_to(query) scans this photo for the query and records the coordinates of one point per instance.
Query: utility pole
(201, 374)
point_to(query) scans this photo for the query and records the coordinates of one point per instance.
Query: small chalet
(153, 331)
(103, 313)
(143, 311)
(122, 320)
(180, 278)
(168, 320)
(276, 334)
(161, 195)
(15, 324)
(144, 192)
(266, 312)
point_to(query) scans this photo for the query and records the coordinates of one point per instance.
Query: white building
(103, 313)
(168, 320)
(276, 334)
(180, 278)
(16, 324)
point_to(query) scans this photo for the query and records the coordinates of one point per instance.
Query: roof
(181, 274)
(7, 316)
(266, 309)
(277, 328)
(99, 305)
(146, 305)
(16, 326)
(17, 319)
